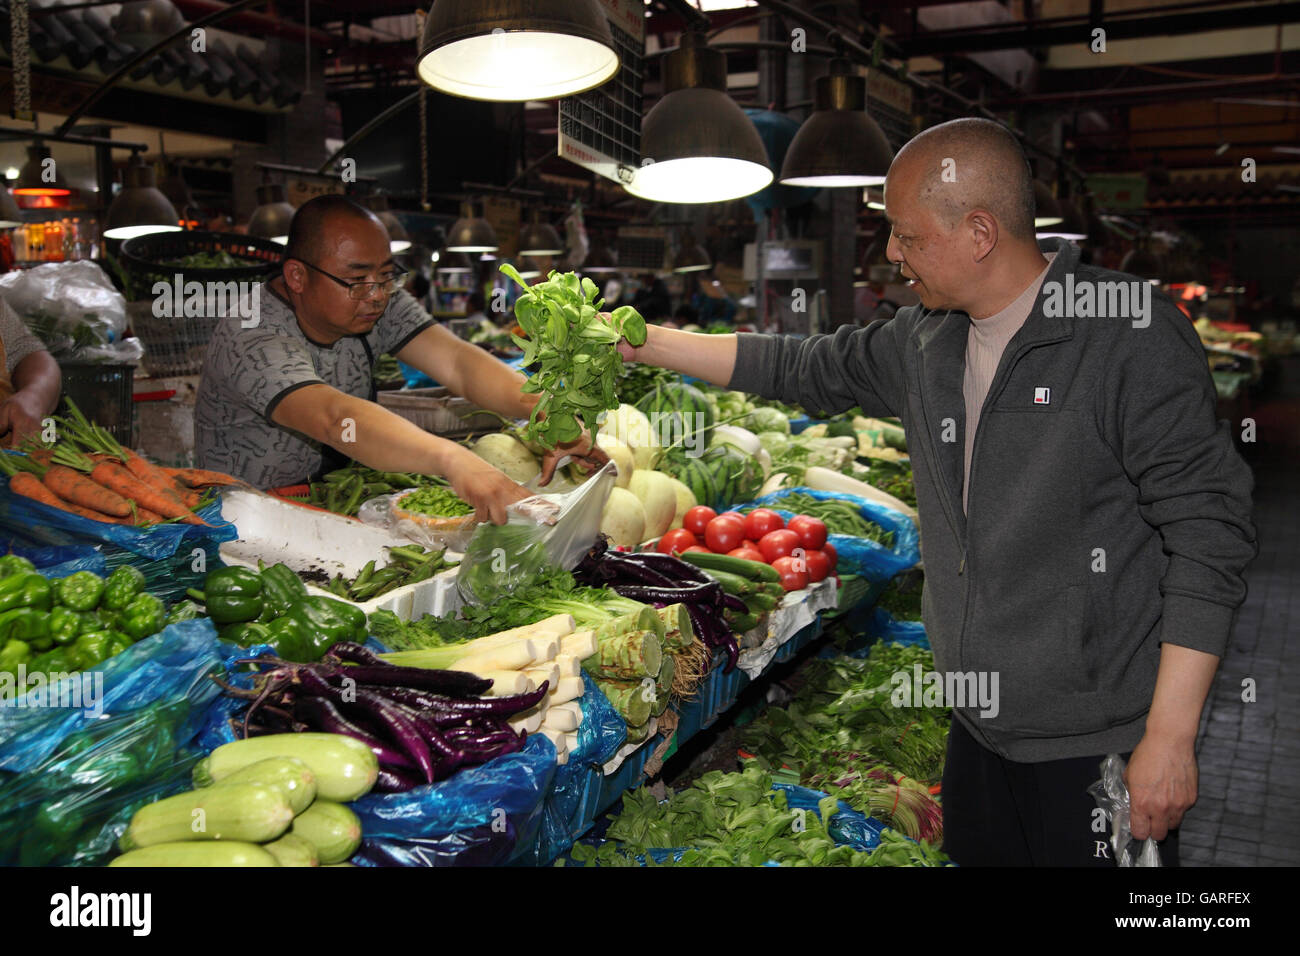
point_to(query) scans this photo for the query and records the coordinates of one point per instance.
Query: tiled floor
(1249, 752)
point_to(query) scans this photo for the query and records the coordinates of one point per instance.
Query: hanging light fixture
(1072, 226)
(449, 262)
(691, 256)
(698, 144)
(140, 208)
(470, 233)
(30, 179)
(9, 214)
(273, 215)
(874, 198)
(398, 240)
(540, 239)
(516, 50)
(839, 145)
(1046, 210)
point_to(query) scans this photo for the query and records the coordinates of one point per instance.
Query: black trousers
(999, 812)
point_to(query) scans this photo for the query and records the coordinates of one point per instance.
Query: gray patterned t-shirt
(247, 372)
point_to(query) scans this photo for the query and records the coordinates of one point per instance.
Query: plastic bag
(884, 627)
(861, 556)
(174, 662)
(431, 532)
(501, 558)
(71, 809)
(481, 816)
(1111, 795)
(847, 826)
(564, 814)
(35, 524)
(58, 562)
(72, 307)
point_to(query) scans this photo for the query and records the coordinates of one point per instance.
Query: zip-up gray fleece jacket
(1123, 467)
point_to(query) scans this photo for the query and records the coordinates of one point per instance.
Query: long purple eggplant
(322, 714)
(672, 567)
(447, 683)
(354, 653)
(733, 603)
(393, 780)
(686, 594)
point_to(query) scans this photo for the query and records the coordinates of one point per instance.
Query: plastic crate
(146, 258)
(104, 395)
(438, 411)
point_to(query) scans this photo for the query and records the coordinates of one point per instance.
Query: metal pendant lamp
(516, 50)
(273, 215)
(1046, 210)
(140, 208)
(540, 239)
(30, 180)
(839, 145)
(698, 145)
(469, 233)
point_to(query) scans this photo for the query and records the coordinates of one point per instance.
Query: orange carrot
(158, 478)
(29, 486)
(75, 487)
(117, 478)
(199, 478)
(42, 456)
(143, 516)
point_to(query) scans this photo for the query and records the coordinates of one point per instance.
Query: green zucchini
(761, 602)
(288, 774)
(733, 584)
(744, 623)
(291, 850)
(244, 812)
(345, 769)
(333, 829)
(753, 570)
(224, 853)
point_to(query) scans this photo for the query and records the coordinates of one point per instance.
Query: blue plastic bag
(571, 800)
(33, 523)
(861, 556)
(480, 816)
(885, 628)
(174, 662)
(57, 562)
(847, 827)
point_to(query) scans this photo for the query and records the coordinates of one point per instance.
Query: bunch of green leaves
(902, 598)
(576, 351)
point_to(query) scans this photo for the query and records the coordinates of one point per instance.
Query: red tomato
(819, 566)
(751, 544)
(732, 514)
(793, 578)
(811, 531)
(697, 519)
(697, 550)
(762, 521)
(749, 554)
(778, 544)
(828, 549)
(724, 533)
(675, 542)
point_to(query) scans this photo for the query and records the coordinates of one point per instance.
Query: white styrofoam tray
(304, 539)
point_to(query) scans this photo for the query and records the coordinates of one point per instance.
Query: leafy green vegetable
(576, 350)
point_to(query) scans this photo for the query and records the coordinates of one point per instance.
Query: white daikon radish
(507, 683)
(569, 664)
(554, 736)
(549, 674)
(823, 479)
(579, 644)
(566, 689)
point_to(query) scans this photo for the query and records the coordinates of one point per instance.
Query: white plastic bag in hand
(1111, 795)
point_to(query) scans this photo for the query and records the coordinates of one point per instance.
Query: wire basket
(172, 346)
(438, 411)
(103, 393)
(146, 258)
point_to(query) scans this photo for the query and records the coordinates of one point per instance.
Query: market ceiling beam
(1068, 31)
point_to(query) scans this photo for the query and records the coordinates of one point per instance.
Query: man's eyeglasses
(364, 290)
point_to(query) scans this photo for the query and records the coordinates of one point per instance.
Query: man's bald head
(970, 164)
(315, 220)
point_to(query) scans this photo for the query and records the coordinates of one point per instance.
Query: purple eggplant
(447, 683)
(686, 594)
(393, 780)
(322, 714)
(354, 653)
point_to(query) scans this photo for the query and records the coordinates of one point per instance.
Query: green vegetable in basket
(91, 649)
(14, 653)
(122, 586)
(80, 591)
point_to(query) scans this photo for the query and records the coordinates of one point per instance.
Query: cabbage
(775, 443)
(767, 420)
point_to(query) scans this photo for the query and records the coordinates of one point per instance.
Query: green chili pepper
(233, 595)
(26, 589)
(81, 591)
(144, 615)
(26, 624)
(121, 586)
(13, 564)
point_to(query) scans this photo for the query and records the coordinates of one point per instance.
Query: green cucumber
(333, 829)
(733, 584)
(761, 602)
(743, 623)
(345, 769)
(224, 853)
(244, 812)
(753, 570)
(291, 850)
(288, 774)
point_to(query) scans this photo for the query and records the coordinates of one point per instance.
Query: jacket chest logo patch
(1042, 396)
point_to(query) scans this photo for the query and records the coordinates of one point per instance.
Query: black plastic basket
(104, 395)
(146, 257)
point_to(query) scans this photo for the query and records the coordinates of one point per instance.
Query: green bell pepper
(25, 589)
(14, 564)
(233, 595)
(12, 654)
(245, 633)
(281, 586)
(64, 625)
(183, 611)
(327, 622)
(81, 591)
(27, 624)
(59, 660)
(122, 586)
(91, 649)
(96, 620)
(118, 643)
(145, 615)
(291, 640)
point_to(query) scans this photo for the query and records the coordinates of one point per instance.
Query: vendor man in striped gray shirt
(293, 396)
